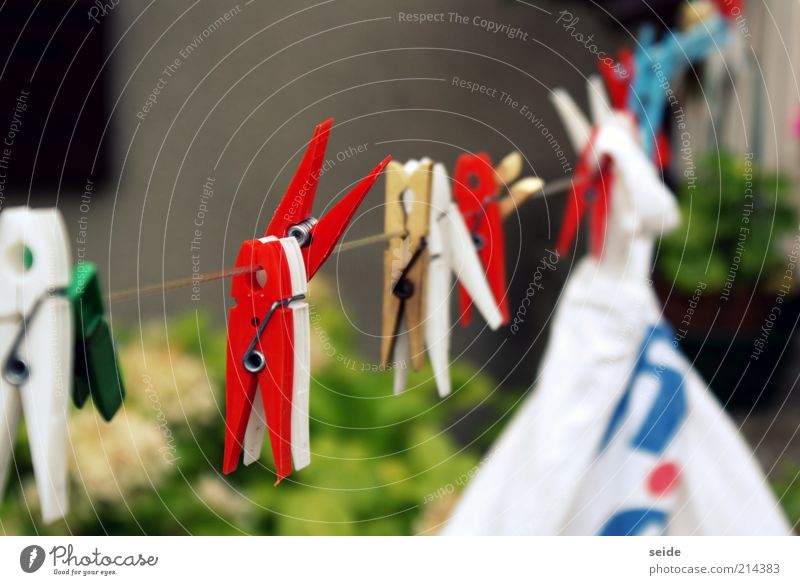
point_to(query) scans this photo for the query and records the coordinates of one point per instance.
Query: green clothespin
(96, 370)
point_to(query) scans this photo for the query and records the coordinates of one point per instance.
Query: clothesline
(128, 294)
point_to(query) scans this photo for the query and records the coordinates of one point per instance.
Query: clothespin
(485, 195)
(612, 160)
(475, 187)
(96, 369)
(405, 263)
(655, 62)
(592, 184)
(450, 251)
(618, 77)
(36, 346)
(591, 188)
(267, 378)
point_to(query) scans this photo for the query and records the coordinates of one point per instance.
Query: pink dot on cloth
(663, 479)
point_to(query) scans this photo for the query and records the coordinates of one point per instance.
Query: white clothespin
(36, 348)
(451, 251)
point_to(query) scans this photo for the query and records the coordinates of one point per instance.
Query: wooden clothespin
(36, 346)
(451, 251)
(699, 11)
(268, 358)
(692, 13)
(405, 263)
(512, 192)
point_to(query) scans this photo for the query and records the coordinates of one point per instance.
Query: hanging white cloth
(620, 435)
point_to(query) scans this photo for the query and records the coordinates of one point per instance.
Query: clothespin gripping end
(96, 368)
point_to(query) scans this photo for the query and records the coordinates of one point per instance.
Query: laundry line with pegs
(523, 192)
(436, 228)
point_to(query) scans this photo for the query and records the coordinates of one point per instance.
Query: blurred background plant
(787, 488)
(723, 276)
(732, 203)
(381, 464)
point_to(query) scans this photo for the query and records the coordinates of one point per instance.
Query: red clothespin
(618, 78)
(474, 187)
(591, 188)
(263, 325)
(730, 9)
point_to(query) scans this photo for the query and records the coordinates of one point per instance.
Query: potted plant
(727, 276)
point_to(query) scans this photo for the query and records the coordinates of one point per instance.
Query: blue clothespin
(659, 63)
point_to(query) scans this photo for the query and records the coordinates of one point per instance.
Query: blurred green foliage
(787, 489)
(734, 217)
(381, 464)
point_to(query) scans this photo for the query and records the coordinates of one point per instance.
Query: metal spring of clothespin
(253, 360)
(302, 231)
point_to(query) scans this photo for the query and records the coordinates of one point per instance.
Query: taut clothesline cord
(197, 279)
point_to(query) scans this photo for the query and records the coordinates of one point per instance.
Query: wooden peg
(519, 193)
(405, 260)
(509, 169)
(695, 12)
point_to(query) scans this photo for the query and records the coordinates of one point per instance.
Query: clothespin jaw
(519, 193)
(298, 200)
(293, 215)
(36, 345)
(267, 374)
(618, 77)
(326, 233)
(474, 187)
(96, 369)
(405, 267)
(512, 193)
